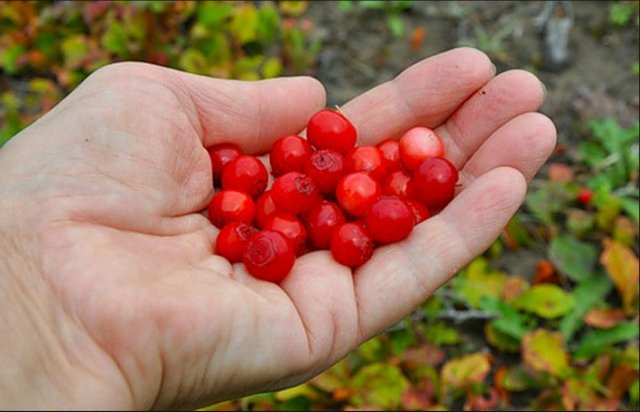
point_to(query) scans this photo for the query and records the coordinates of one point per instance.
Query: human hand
(110, 294)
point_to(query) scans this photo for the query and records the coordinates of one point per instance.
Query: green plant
(621, 13)
(392, 9)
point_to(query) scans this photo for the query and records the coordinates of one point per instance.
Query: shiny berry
(294, 193)
(233, 239)
(289, 154)
(418, 144)
(289, 226)
(420, 212)
(231, 206)
(356, 192)
(246, 174)
(321, 221)
(390, 150)
(366, 159)
(434, 182)
(269, 256)
(326, 168)
(351, 244)
(584, 196)
(389, 220)
(221, 154)
(398, 184)
(329, 129)
(264, 208)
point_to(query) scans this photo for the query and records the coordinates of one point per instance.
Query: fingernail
(494, 69)
(544, 90)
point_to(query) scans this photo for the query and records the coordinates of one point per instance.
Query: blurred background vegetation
(547, 318)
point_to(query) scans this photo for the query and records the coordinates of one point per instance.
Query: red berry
(221, 154)
(434, 182)
(231, 206)
(329, 129)
(289, 154)
(294, 193)
(269, 256)
(326, 168)
(351, 244)
(366, 159)
(584, 196)
(246, 174)
(289, 226)
(322, 220)
(420, 212)
(398, 184)
(418, 144)
(356, 192)
(264, 208)
(390, 150)
(233, 239)
(389, 220)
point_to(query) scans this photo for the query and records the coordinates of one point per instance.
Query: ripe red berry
(351, 244)
(294, 193)
(246, 174)
(289, 154)
(264, 208)
(356, 192)
(289, 226)
(233, 239)
(434, 182)
(231, 206)
(584, 196)
(326, 168)
(329, 129)
(420, 212)
(269, 256)
(221, 154)
(366, 159)
(322, 220)
(389, 220)
(398, 184)
(418, 144)
(390, 150)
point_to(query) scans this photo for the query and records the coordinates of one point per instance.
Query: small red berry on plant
(584, 196)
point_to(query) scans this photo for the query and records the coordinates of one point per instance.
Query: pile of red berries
(327, 193)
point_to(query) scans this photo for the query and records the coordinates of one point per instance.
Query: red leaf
(620, 380)
(559, 172)
(415, 400)
(545, 273)
(426, 354)
(604, 318)
(480, 403)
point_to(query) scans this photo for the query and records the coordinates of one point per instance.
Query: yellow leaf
(464, 371)
(622, 266)
(544, 351)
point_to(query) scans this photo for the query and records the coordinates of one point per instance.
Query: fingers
(524, 143)
(506, 96)
(399, 277)
(427, 93)
(251, 114)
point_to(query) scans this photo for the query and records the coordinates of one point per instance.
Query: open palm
(104, 195)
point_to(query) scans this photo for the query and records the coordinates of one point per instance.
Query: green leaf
(599, 340)
(9, 58)
(244, 25)
(372, 350)
(546, 202)
(545, 300)
(631, 207)
(440, 334)
(509, 322)
(346, 5)
(214, 14)
(634, 394)
(572, 257)
(500, 340)
(380, 385)
(465, 371)
(115, 39)
(586, 295)
(544, 351)
(74, 49)
(372, 4)
(268, 23)
(271, 68)
(479, 280)
(620, 13)
(396, 25)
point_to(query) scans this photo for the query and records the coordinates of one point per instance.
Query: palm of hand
(150, 314)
